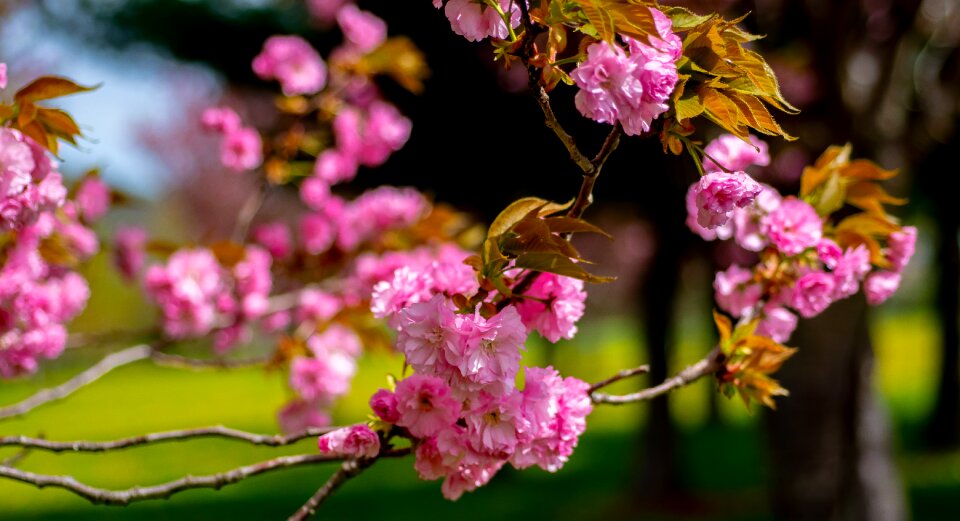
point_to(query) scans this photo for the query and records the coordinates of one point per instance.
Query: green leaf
(573, 225)
(558, 264)
(519, 209)
(684, 19)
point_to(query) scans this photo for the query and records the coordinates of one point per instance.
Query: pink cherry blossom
(314, 192)
(384, 404)
(849, 270)
(880, 286)
(298, 416)
(92, 198)
(185, 289)
(335, 339)
(488, 353)
(813, 293)
(335, 166)
(469, 477)
(3, 75)
(129, 254)
(829, 253)
(722, 232)
(293, 62)
(363, 30)
(425, 405)
(793, 227)
(719, 194)
(223, 120)
(427, 334)
(406, 287)
(275, 237)
(901, 246)
(322, 379)
(735, 291)
(556, 409)
(476, 21)
(735, 154)
(241, 149)
(317, 305)
(778, 323)
(495, 423)
(355, 441)
(565, 306)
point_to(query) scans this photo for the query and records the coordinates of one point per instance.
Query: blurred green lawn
(597, 483)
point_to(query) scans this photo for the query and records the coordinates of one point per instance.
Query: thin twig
(622, 375)
(249, 210)
(182, 362)
(14, 460)
(585, 196)
(217, 431)
(123, 497)
(706, 367)
(551, 121)
(109, 363)
(347, 470)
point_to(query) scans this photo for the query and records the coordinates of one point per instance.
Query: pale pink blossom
(335, 339)
(476, 21)
(735, 290)
(441, 455)
(719, 194)
(297, 416)
(406, 287)
(92, 198)
(495, 423)
(778, 323)
(557, 318)
(850, 270)
(322, 379)
(488, 353)
(813, 293)
(722, 232)
(469, 477)
(734, 154)
(185, 289)
(425, 405)
(427, 333)
(293, 62)
(317, 305)
(901, 246)
(363, 30)
(793, 227)
(880, 286)
(355, 441)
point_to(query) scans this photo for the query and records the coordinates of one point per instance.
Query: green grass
(598, 483)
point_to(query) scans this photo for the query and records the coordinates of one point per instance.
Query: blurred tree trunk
(831, 451)
(943, 429)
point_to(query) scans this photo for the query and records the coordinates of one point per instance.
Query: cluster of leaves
(835, 181)
(530, 235)
(47, 126)
(721, 80)
(748, 362)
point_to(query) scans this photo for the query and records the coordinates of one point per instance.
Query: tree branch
(125, 497)
(706, 367)
(551, 121)
(347, 470)
(109, 363)
(622, 375)
(217, 431)
(182, 362)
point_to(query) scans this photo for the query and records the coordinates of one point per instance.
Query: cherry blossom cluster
(629, 86)
(242, 147)
(43, 236)
(477, 21)
(802, 269)
(461, 407)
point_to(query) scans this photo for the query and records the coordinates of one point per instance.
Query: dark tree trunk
(831, 454)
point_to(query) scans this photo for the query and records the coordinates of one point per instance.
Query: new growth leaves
(749, 360)
(723, 81)
(530, 235)
(46, 126)
(834, 180)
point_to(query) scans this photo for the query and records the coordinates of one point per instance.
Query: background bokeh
(881, 74)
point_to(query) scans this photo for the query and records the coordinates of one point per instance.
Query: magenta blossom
(813, 293)
(778, 323)
(129, 254)
(242, 149)
(488, 353)
(735, 291)
(556, 409)
(223, 120)
(275, 237)
(298, 416)
(362, 30)
(384, 404)
(476, 20)
(293, 62)
(558, 317)
(92, 198)
(880, 286)
(901, 246)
